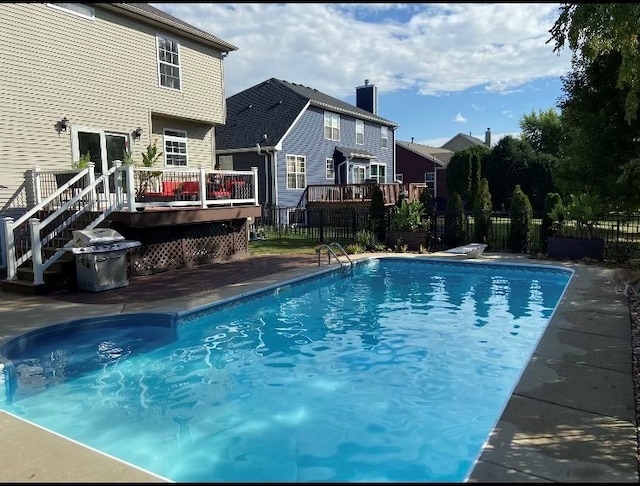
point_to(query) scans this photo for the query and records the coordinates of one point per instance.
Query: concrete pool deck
(571, 417)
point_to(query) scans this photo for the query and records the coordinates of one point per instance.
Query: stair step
(23, 287)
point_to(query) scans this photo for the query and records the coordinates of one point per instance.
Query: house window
(175, 147)
(398, 178)
(384, 134)
(75, 8)
(296, 172)
(430, 181)
(330, 170)
(226, 162)
(168, 62)
(331, 126)
(360, 132)
(379, 173)
(358, 173)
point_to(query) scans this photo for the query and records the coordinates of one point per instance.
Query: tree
(521, 222)
(600, 153)
(543, 131)
(482, 207)
(505, 167)
(595, 29)
(455, 221)
(464, 171)
(377, 213)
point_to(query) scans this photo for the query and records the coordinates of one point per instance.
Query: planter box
(575, 248)
(413, 239)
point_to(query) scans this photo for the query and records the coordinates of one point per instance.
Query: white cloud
(430, 48)
(459, 118)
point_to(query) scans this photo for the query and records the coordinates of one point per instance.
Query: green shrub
(366, 239)
(521, 219)
(377, 213)
(549, 224)
(455, 221)
(354, 248)
(409, 217)
(482, 207)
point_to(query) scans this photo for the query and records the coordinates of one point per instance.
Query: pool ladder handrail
(330, 251)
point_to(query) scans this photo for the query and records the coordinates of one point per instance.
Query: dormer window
(168, 63)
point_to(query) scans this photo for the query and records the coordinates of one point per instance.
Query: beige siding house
(104, 71)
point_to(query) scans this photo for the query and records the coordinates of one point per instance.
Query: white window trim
(377, 176)
(358, 168)
(328, 161)
(173, 138)
(158, 61)
(331, 117)
(359, 123)
(91, 16)
(287, 173)
(384, 137)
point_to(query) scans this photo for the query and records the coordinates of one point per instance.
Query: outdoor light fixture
(137, 133)
(63, 124)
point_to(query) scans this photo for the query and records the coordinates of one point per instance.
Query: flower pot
(575, 248)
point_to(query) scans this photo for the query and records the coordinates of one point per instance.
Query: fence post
(321, 225)
(255, 184)
(36, 251)
(354, 221)
(130, 190)
(37, 189)
(9, 248)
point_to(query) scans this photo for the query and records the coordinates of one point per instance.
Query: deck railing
(63, 197)
(335, 193)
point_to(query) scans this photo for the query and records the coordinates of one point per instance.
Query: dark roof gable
(270, 108)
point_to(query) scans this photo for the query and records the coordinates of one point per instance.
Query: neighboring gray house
(297, 136)
(462, 141)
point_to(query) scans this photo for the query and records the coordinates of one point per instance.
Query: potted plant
(409, 226)
(579, 241)
(80, 164)
(149, 159)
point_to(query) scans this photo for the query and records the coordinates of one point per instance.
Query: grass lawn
(282, 246)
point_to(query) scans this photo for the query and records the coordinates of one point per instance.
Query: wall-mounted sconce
(62, 125)
(137, 133)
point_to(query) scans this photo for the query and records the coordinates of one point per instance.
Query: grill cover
(96, 236)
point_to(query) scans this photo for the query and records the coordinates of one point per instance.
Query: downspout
(393, 162)
(271, 191)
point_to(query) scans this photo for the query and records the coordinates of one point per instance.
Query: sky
(440, 68)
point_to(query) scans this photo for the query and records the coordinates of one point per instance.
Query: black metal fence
(621, 233)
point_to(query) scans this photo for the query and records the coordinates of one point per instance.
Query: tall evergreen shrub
(521, 216)
(377, 214)
(482, 213)
(454, 222)
(551, 200)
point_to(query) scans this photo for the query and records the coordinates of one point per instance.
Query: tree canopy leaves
(595, 29)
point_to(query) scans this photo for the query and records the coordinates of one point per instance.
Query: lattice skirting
(185, 246)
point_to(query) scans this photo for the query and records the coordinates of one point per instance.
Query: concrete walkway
(571, 418)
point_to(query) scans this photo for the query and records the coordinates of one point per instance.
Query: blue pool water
(395, 371)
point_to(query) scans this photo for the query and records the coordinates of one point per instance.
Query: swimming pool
(395, 372)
